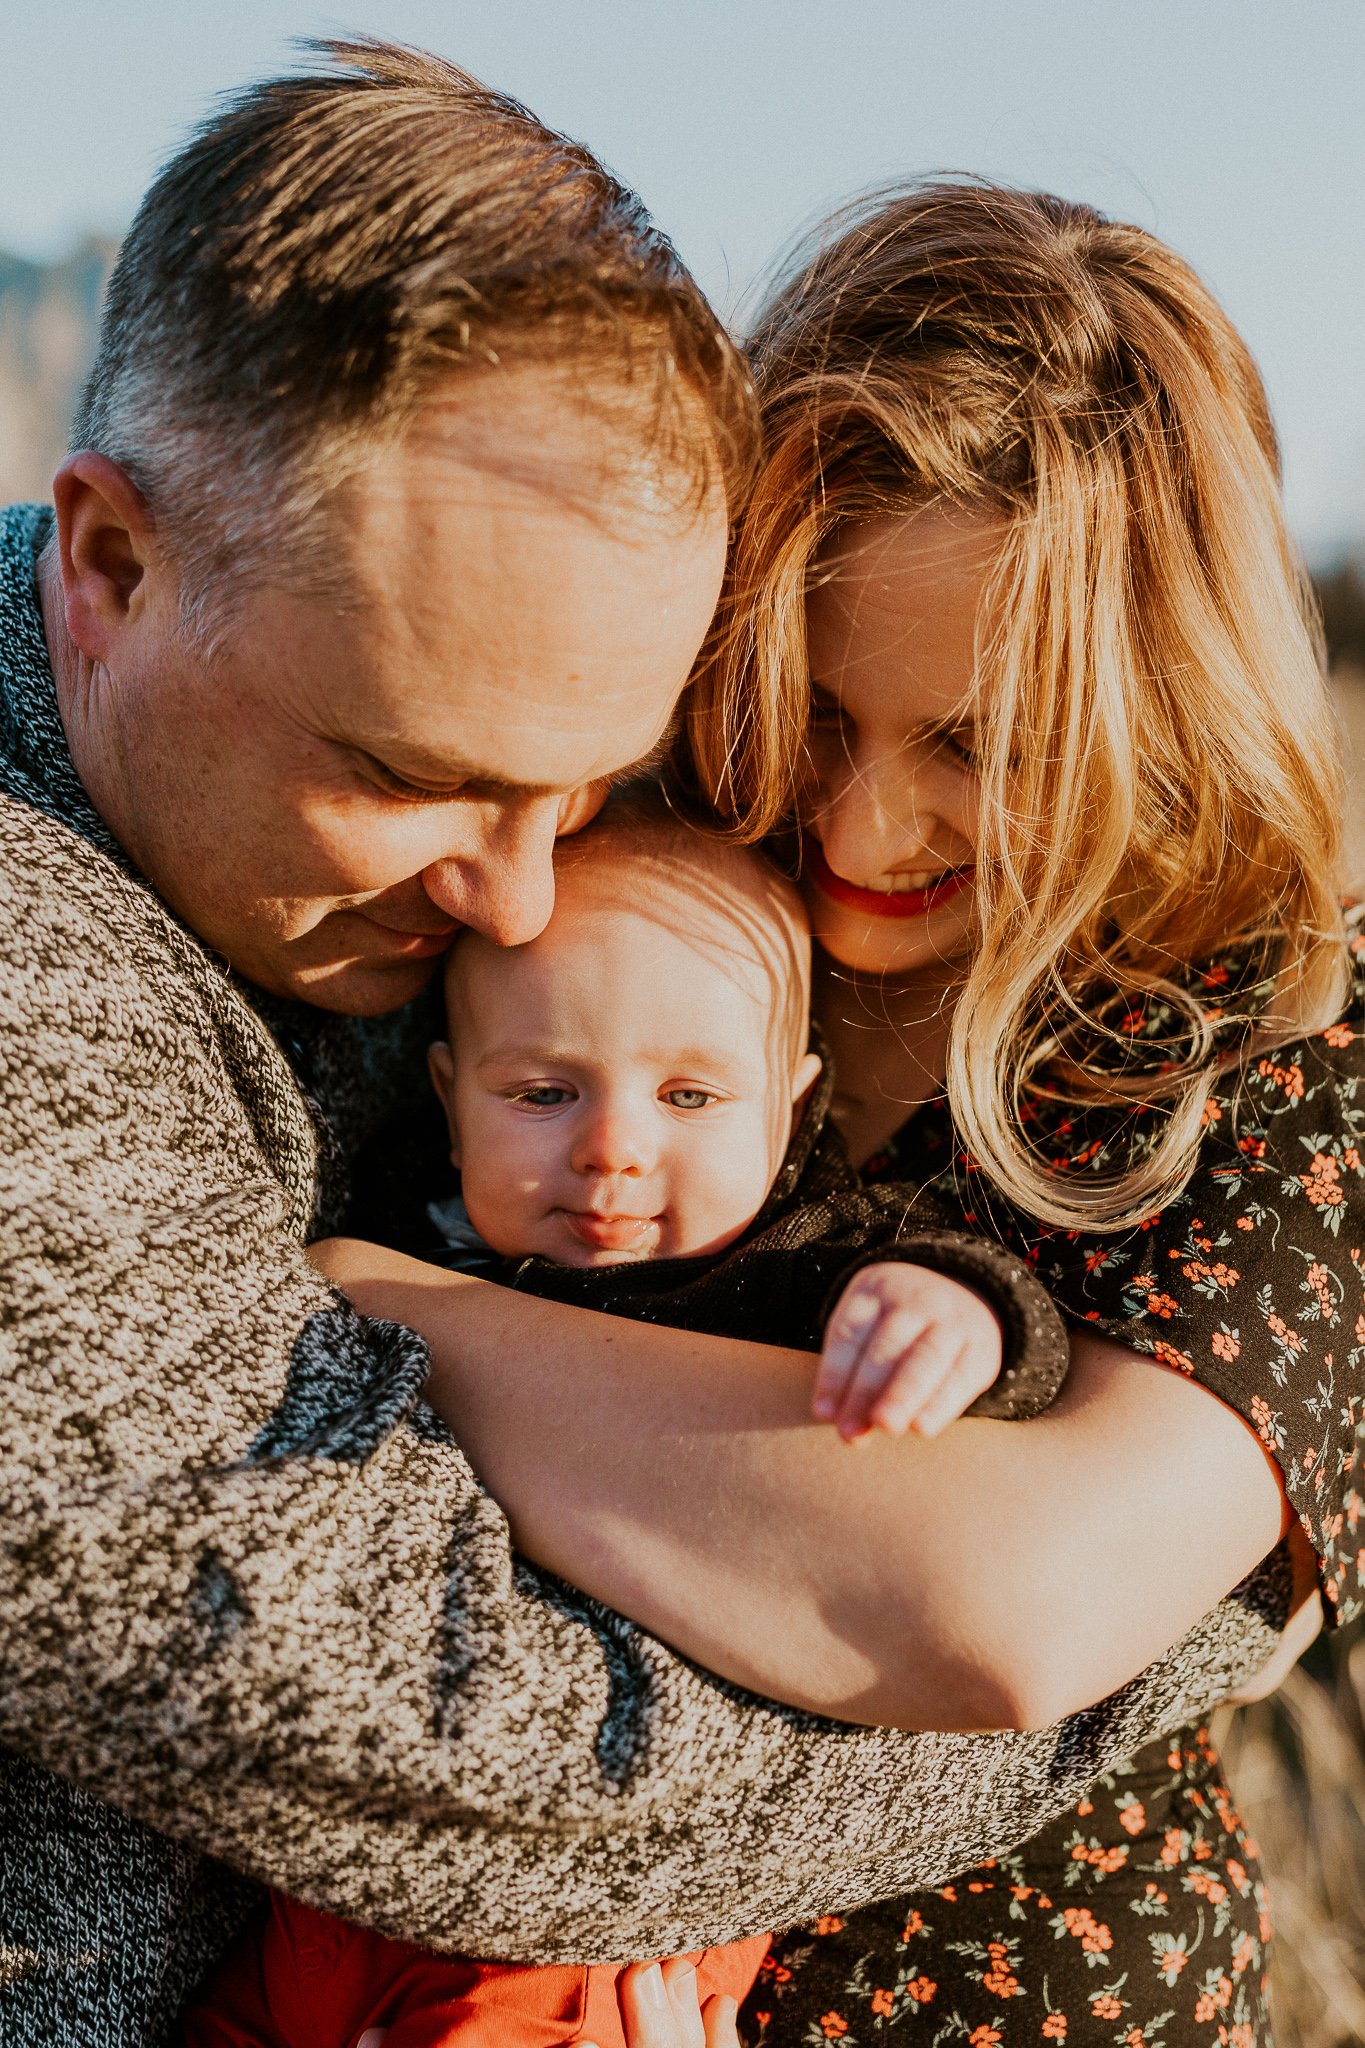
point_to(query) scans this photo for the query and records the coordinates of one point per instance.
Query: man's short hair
(329, 247)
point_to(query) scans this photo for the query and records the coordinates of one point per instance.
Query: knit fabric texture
(255, 1607)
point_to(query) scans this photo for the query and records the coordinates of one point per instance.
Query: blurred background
(1232, 128)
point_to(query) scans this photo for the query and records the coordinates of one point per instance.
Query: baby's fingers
(849, 1327)
(660, 2008)
(953, 1395)
(900, 1343)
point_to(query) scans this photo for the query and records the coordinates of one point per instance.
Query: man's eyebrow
(466, 777)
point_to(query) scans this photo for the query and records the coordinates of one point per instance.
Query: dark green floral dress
(1140, 1916)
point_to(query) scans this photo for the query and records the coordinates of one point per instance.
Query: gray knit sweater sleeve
(251, 1594)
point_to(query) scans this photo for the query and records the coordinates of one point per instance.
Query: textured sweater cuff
(1036, 1353)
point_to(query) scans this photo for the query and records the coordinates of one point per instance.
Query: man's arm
(251, 1592)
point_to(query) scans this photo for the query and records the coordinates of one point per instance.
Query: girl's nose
(878, 819)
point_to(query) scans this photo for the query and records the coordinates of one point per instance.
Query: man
(396, 519)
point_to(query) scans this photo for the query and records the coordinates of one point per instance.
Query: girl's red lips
(877, 902)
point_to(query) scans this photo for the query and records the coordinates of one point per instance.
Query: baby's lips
(611, 1233)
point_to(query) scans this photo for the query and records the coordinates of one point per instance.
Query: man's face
(335, 792)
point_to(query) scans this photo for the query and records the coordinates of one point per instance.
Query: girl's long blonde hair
(1160, 766)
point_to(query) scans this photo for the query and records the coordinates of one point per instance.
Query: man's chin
(355, 988)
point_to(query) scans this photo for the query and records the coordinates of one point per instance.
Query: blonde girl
(1016, 590)
(1016, 643)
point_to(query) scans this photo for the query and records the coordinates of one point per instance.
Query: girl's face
(889, 858)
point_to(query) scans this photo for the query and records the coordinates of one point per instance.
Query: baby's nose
(613, 1142)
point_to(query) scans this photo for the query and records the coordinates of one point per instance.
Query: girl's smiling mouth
(906, 894)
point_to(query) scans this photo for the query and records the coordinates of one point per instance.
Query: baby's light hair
(1160, 768)
(666, 863)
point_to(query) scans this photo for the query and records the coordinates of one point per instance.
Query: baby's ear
(441, 1067)
(806, 1075)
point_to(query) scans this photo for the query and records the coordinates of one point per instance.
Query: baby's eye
(688, 1098)
(545, 1096)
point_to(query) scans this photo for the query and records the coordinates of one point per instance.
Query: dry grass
(1297, 1764)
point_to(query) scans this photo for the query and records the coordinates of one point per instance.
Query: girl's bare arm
(1000, 1575)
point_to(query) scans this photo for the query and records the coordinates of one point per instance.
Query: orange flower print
(1237, 1872)
(832, 2025)
(1224, 1344)
(1322, 1182)
(1104, 2006)
(1214, 1999)
(1289, 1078)
(1212, 1113)
(1166, 1354)
(1093, 1936)
(984, 2037)
(920, 1990)
(1264, 1421)
(1245, 1223)
(1176, 1847)
(1133, 1818)
(913, 1926)
(1207, 1887)
(999, 1979)
(1107, 1860)
(1170, 1959)
(1338, 1036)
(1279, 1328)
(1054, 2027)
(1245, 1956)
(883, 2004)
(829, 1923)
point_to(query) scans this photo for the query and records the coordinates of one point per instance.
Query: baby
(641, 1127)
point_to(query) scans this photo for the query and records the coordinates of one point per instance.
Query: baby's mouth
(613, 1233)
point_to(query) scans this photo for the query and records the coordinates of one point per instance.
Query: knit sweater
(254, 1605)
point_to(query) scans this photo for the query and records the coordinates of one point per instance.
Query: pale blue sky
(1234, 128)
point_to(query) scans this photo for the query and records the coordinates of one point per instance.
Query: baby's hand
(906, 1348)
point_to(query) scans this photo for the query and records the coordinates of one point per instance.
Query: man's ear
(106, 537)
(806, 1075)
(441, 1067)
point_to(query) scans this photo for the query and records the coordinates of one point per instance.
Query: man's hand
(906, 1348)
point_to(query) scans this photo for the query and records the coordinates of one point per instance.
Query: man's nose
(613, 1140)
(503, 885)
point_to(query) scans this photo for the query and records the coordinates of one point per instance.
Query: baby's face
(621, 1088)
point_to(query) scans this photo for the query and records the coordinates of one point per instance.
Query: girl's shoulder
(1251, 1279)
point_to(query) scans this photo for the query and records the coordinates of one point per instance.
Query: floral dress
(1139, 1917)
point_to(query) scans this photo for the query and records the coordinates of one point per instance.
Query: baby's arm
(929, 1328)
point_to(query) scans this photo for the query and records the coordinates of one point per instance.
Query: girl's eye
(826, 713)
(547, 1096)
(688, 1098)
(960, 745)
